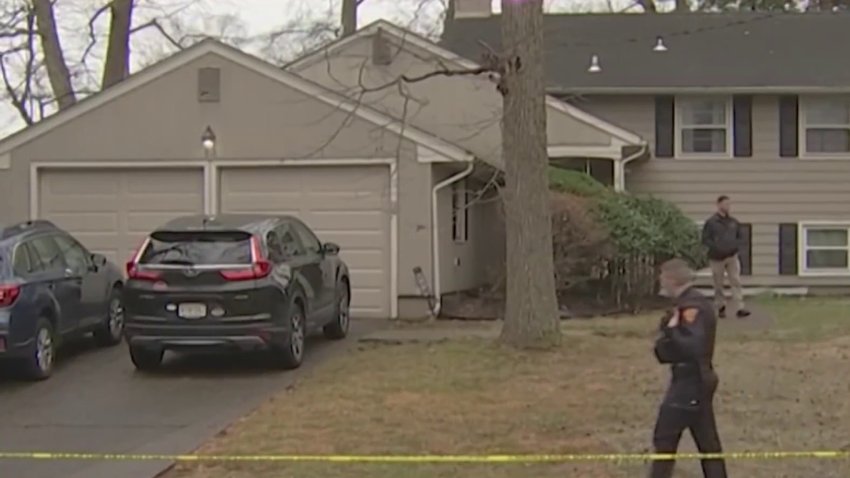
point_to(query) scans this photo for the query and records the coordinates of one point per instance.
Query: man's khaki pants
(730, 267)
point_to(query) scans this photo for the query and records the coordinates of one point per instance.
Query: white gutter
(620, 167)
(435, 234)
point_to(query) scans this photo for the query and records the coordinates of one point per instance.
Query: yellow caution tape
(428, 459)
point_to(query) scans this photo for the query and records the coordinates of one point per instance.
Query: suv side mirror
(331, 249)
(98, 260)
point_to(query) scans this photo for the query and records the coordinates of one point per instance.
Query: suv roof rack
(35, 224)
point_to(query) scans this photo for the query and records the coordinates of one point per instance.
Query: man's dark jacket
(722, 235)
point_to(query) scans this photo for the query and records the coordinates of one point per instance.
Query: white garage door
(346, 205)
(111, 210)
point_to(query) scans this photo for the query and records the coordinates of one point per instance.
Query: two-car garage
(110, 208)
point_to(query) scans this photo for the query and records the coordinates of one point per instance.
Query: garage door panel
(348, 220)
(111, 210)
(345, 205)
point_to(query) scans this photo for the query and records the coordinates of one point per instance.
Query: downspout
(620, 167)
(435, 234)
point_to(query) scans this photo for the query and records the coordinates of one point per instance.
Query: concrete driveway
(96, 402)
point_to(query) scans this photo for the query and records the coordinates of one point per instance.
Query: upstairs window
(704, 126)
(825, 125)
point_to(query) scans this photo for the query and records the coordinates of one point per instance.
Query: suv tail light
(132, 266)
(9, 294)
(260, 267)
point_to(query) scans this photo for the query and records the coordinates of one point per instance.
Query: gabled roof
(754, 51)
(211, 46)
(456, 61)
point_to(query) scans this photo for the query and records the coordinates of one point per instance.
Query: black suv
(52, 288)
(241, 282)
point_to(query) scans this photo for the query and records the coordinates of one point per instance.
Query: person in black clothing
(721, 234)
(686, 343)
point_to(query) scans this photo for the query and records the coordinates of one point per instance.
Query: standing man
(722, 235)
(686, 343)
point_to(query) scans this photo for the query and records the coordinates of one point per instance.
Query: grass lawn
(783, 386)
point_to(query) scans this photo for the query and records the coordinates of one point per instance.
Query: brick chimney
(473, 8)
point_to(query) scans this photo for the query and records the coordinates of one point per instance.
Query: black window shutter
(788, 126)
(745, 253)
(664, 128)
(742, 114)
(788, 249)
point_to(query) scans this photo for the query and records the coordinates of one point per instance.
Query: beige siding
(471, 264)
(766, 189)
(462, 109)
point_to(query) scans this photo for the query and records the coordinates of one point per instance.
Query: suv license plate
(192, 311)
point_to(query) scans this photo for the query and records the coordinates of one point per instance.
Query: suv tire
(290, 354)
(337, 329)
(109, 333)
(38, 364)
(146, 359)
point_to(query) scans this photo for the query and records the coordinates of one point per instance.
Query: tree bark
(54, 58)
(117, 64)
(531, 310)
(349, 17)
(648, 6)
(683, 6)
(449, 15)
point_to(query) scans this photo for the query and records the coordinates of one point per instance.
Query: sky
(241, 19)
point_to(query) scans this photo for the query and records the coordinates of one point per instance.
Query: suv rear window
(198, 248)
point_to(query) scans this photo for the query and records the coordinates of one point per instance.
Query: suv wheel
(38, 365)
(290, 354)
(146, 358)
(110, 331)
(338, 328)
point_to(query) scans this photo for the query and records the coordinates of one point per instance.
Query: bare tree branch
(158, 27)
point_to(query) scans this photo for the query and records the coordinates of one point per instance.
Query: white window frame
(802, 248)
(460, 212)
(803, 126)
(679, 127)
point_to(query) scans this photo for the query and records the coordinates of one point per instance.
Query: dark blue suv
(52, 288)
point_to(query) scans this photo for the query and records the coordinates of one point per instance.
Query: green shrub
(616, 240)
(574, 182)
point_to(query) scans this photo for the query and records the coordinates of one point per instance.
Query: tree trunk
(449, 15)
(349, 17)
(531, 310)
(683, 6)
(648, 6)
(117, 64)
(54, 57)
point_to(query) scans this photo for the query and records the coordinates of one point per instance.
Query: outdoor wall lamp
(208, 139)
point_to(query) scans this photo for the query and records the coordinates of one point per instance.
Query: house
(213, 130)
(754, 105)
(405, 76)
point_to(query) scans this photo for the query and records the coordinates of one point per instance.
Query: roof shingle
(705, 50)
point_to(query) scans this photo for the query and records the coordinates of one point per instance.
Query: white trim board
(211, 170)
(405, 36)
(251, 62)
